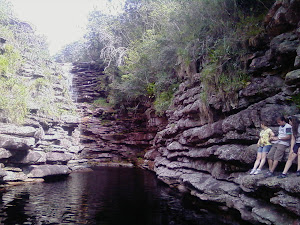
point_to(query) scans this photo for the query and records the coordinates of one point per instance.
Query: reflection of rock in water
(44, 203)
(107, 196)
(184, 209)
(15, 209)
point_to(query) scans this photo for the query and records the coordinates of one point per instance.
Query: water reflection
(107, 196)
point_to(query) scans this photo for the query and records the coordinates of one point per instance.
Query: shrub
(10, 61)
(101, 102)
(163, 99)
(40, 82)
(142, 47)
(162, 102)
(13, 100)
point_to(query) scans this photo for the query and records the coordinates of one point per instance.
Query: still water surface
(106, 196)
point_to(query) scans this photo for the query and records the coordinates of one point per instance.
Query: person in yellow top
(264, 145)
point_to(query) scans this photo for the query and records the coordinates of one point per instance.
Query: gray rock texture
(41, 171)
(43, 138)
(208, 147)
(204, 147)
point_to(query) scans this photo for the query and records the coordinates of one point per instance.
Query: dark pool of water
(106, 196)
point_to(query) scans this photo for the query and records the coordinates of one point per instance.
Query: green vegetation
(21, 48)
(101, 102)
(296, 99)
(10, 61)
(144, 48)
(163, 101)
(222, 75)
(13, 100)
(40, 83)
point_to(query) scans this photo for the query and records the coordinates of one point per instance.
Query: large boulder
(16, 143)
(70, 120)
(58, 157)
(271, 215)
(286, 43)
(11, 129)
(289, 202)
(78, 164)
(260, 88)
(32, 157)
(292, 77)
(40, 171)
(263, 62)
(282, 53)
(283, 16)
(3, 173)
(14, 174)
(236, 153)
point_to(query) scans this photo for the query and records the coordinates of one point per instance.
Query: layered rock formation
(207, 147)
(204, 148)
(108, 135)
(46, 142)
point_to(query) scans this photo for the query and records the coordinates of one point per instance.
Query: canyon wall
(47, 142)
(202, 147)
(110, 136)
(208, 147)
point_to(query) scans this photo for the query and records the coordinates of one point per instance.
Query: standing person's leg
(270, 163)
(274, 165)
(270, 156)
(263, 160)
(292, 156)
(265, 150)
(278, 156)
(257, 161)
(288, 164)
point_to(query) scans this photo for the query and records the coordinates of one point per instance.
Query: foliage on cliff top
(145, 46)
(21, 48)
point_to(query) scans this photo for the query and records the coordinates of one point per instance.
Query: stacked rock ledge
(44, 145)
(208, 148)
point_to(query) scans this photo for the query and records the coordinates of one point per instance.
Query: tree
(145, 47)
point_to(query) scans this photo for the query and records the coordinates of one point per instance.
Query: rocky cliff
(202, 147)
(208, 146)
(48, 139)
(109, 135)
